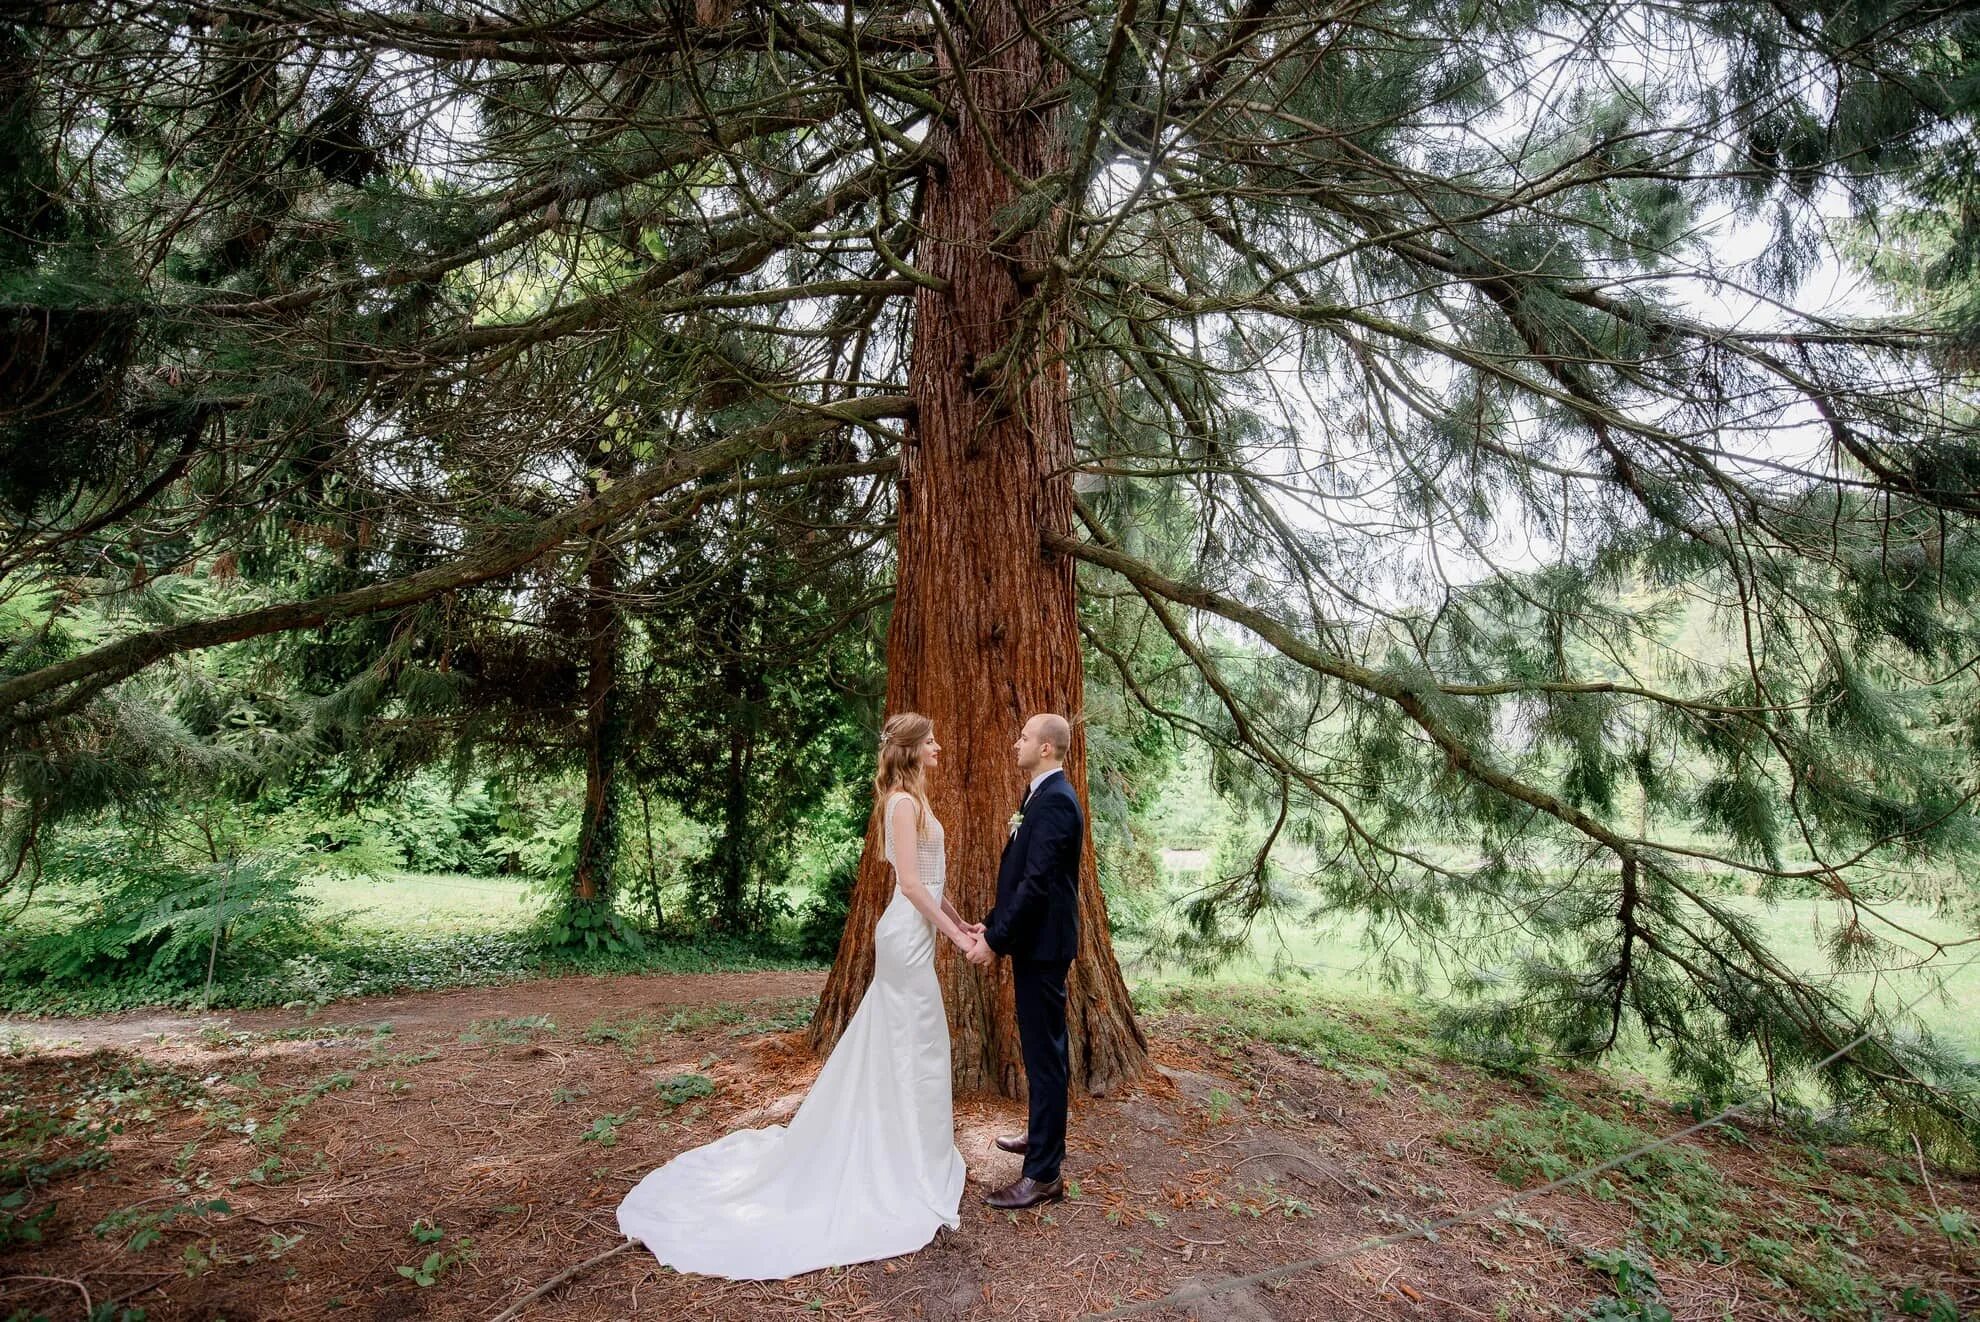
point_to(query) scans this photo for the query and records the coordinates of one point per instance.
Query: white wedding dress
(868, 1166)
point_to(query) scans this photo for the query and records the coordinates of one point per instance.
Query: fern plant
(166, 917)
(170, 902)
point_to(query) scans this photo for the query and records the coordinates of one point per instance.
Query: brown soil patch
(1219, 1166)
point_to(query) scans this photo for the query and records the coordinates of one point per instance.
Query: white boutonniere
(1017, 820)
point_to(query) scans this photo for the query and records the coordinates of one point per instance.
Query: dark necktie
(1029, 794)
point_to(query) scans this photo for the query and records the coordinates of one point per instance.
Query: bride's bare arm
(907, 871)
(955, 917)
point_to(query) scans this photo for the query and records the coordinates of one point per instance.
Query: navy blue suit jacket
(1037, 913)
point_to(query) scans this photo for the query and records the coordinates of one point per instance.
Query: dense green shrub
(343, 965)
(824, 866)
(1131, 879)
(220, 891)
(150, 910)
(439, 827)
(822, 920)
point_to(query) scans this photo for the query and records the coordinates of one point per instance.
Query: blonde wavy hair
(900, 763)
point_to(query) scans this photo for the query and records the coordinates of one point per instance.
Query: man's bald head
(1055, 730)
(1043, 743)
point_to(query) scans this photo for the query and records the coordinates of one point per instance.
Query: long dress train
(867, 1167)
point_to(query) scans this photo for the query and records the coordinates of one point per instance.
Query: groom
(1036, 923)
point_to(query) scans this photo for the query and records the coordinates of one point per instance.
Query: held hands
(973, 947)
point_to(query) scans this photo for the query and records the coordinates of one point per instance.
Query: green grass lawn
(401, 903)
(428, 903)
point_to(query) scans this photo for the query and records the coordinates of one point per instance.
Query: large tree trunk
(984, 630)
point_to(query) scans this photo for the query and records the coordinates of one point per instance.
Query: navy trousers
(1040, 988)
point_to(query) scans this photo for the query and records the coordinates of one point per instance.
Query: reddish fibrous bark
(985, 627)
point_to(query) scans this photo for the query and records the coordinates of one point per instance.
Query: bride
(868, 1166)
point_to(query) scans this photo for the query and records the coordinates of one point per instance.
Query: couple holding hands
(867, 1167)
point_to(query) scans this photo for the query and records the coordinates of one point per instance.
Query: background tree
(763, 687)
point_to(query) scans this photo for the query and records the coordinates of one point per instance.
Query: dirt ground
(484, 1141)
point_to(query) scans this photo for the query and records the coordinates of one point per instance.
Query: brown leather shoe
(1019, 1145)
(1027, 1192)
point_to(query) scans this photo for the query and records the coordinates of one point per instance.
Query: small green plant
(1625, 1310)
(507, 1032)
(18, 1226)
(1956, 1224)
(147, 1228)
(107, 1312)
(680, 1089)
(439, 1261)
(604, 1130)
(277, 1243)
(1636, 1297)
(1933, 1307)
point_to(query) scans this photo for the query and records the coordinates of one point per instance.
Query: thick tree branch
(498, 554)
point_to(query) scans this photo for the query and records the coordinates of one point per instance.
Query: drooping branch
(498, 554)
(1416, 699)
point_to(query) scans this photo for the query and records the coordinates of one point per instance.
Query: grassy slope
(1332, 959)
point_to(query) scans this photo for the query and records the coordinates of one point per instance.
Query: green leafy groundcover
(369, 964)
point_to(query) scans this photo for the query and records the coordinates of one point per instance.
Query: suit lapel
(1023, 804)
